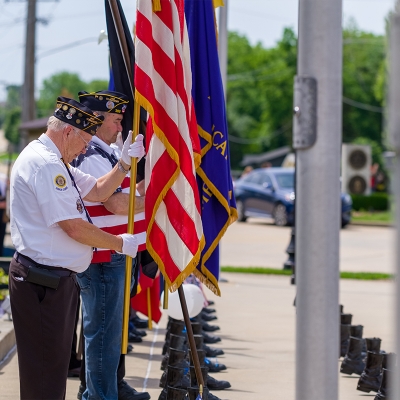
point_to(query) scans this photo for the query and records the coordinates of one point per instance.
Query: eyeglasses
(87, 144)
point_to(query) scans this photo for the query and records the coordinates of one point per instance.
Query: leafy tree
(11, 124)
(64, 84)
(363, 71)
(96, 85)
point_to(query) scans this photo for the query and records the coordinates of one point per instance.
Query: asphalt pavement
(257, 318)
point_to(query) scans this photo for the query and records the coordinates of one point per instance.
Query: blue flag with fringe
(213, 175)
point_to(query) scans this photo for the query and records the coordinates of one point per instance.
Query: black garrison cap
(105, 100)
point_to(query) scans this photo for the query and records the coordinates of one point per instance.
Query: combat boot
(177, 377)
(353, 362)
(177, 358)
(389, 361)
(383, 392)
(202, 356)
(373, 344)
(371, 378)
(345, 319)
(193, 377)
(175, 342)
(176, 393)
(344, 339)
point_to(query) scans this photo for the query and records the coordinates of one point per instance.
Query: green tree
(96, 85)
(363, 71)
(11, 125)
(64, 84)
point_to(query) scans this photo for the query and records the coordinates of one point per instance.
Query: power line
(362, 106)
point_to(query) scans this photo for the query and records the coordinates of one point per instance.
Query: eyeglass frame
(87, 144)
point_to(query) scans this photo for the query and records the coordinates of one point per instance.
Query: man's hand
(135, 149)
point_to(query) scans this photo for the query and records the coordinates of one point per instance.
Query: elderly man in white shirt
(54, 237)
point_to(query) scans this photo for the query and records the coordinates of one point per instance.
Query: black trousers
(44, 325)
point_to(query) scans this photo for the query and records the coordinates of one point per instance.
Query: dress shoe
(208, 310)
(211, 352)
(130, 348)
(140, 323)
(74, 372)
(210, 339)
(214, 366)
(210, 302)
(80, 392)
(207, 317)
(209, 328)
(126, 392)
(134, 338)
(137, 332)
(214, 384)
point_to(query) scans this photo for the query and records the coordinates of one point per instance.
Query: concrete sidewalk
(257, 321)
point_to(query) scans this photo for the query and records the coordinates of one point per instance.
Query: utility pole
(28, 88)
(394, 137)
(317, 141)
(223, 42)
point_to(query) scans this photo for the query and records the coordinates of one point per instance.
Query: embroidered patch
(79, 206)
(61, 183)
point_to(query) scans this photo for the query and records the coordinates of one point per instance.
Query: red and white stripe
(116, 225)
(163, 86)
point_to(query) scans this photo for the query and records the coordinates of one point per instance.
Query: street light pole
(394, 136)
(317, 141)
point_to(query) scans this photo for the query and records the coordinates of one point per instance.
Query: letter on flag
(218, 206)
(163, 87)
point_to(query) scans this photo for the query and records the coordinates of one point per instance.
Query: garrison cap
(105, 100)
(77, 115)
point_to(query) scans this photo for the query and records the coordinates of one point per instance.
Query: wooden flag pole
(192, 343)
(131, 214)
(165, 302)
(150, 319)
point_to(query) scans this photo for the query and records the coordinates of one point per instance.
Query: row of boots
(364, 357)
(179, 379)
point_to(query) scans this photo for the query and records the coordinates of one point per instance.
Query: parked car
(269, 193)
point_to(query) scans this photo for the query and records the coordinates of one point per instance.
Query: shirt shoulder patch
(60, 183)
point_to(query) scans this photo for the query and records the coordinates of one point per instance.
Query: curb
(373, 223)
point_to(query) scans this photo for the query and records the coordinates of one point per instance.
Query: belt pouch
(42, 277)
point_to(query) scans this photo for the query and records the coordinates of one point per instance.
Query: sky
(76, 25)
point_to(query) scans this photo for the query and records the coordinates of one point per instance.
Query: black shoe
(125, 392)
(140, 323)
(210, 302)
(137, 332)
(208, 310)
(74, 372)
(209, 328)
(214, 384)
(214, 366)
(210, 339)
(80, 392)
(207, 317)
(210, 352)
(134, 338)
(130, 348)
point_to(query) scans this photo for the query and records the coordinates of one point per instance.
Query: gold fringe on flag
(157, 5)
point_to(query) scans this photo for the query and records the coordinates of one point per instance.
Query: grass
(366, 276)
(372, 216)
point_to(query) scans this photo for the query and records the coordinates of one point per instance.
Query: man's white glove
(135, 149)
(129, 245)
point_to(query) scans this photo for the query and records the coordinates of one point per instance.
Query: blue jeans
(102, 292)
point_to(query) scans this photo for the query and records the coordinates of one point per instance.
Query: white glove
(129, 245)
(134, 149)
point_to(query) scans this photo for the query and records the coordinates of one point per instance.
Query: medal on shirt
(79, 206)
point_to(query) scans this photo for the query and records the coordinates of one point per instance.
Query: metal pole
(394, 136)
(28, 89)
(318, 199)
(223, 42)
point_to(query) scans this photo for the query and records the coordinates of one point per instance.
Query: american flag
(163, 87)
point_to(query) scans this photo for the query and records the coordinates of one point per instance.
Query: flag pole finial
(156, 5)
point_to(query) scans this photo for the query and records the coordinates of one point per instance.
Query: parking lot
(259, 243)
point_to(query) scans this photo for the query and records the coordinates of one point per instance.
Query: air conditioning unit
(356, 169)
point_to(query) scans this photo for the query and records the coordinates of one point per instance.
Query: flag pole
(165, 303)
(131, 214)
(150, 319)
(192, 343)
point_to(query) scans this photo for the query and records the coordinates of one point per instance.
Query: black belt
(28, 263)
